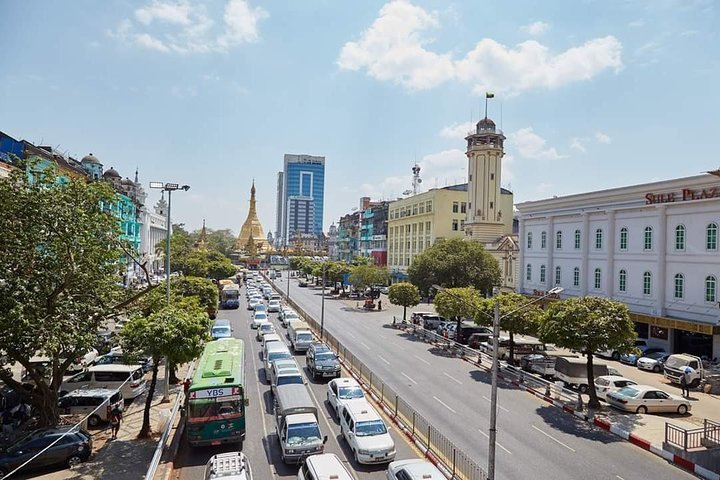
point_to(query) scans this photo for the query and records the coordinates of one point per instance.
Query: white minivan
(366, 434)
(130, 379)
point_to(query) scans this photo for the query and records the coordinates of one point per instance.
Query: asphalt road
(535, 440)
(261, 445)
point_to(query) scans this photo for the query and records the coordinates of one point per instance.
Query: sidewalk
(126, 458)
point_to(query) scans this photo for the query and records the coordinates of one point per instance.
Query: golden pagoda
(202, 242)
(252, 236)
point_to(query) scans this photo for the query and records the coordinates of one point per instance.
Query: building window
(598, 278)
(647, 283)
(528, 272)
(492, 176)
(557, 275)
(623, 238)
(648, 238)
(680, 238)
(456, 207)
(428, 206)
(558, 240)
(711, 237)
(598, 239)
(543, 240)
(529, 240)
(710, 289)
(542, 273)
(470, 177)
(463, 207)
(577, 239)
(679, 291)
(576, 277)
(622, 281)
(455, 225)
(414, 209)
(462, 224)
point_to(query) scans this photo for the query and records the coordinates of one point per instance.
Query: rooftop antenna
(416, 178)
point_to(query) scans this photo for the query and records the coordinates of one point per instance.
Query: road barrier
(707, 436)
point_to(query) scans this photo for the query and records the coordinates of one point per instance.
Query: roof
(486, 121)
(111, 173)
(418, 469)
(222, 363)
(461, 187)
(91, 392)
(90, 158)
(327, 466)
(362, 411)
(115, 367)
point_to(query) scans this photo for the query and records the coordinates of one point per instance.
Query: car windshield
(302, 433)
(210, 408)
(291, 316)
(368, 429)
(267, 327)
(325, 357)
(675, 362)
(656, 355)
(276, 355)
(304, 337)
(260, 316)
(290, 380)
(347, 393)
(221, 331)
(629, 392)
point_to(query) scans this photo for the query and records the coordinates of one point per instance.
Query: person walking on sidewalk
(379, 304)
(686, 380)
(115, 419)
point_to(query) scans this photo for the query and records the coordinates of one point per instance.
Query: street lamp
(322, 304)
(492, 432)
(168, 187)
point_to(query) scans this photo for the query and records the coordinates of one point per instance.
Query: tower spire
(136, 175)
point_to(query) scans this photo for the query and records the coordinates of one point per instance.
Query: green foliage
(360, 260)
(193, 262)
(362, 276)
(203, 289)
(461, 302)
(455, 263)
(588, 325)
(405, 294)
(517, 316)
(222, 241)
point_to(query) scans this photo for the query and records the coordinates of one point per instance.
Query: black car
(117, 357)
(70, 450)
(321, 361)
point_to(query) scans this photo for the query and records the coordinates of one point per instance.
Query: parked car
(653, 361)
(228, 466)
(413, 469)
(477, 338)
(615, 355)
(116, 356)
(274, 305)
(86, 401)
(343, 390)
(647, 399)
(302, 283)
(264, 328)
(605, 384)
(73, 450)
(632, 358)
(321, 361)
(258, 318)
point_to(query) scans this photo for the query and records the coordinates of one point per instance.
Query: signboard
(216, 392)
(684, 195)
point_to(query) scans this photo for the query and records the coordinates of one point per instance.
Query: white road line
(403, 374)
(381, 358)
(261, 404)
(365, 345)
(553, 438)
(496, 443)
(499, 406)
(352, 336)
(422, 360)
(444, 404)
(619, 477)
(452, 378)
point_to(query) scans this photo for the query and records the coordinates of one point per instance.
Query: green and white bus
(215, 400)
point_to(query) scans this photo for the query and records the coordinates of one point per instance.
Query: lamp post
(168, 187)
(322, 304)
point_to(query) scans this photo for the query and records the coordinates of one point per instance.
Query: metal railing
(707, 436)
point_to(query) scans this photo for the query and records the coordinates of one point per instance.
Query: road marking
(422, 360)
(452, 378)
(553, 438)
(381, 358)
(261, 404)
(352, 336)
(444, 404)
(365, 345)
(496, 443)
(403, 374)
(619, 477)
(499, 406)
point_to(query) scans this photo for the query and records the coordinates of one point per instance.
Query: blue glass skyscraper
(303, 196)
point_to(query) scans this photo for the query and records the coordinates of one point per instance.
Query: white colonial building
(154, 229)
(652, 246)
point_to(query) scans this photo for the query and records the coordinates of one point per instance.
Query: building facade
(373, 232)
(301, 216)
(279, 209)
(332, 247)
(303, 176)
(417, 222)
(152, 231)
(348, 237)
(653, 247)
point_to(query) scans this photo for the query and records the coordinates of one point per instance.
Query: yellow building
(415, 223)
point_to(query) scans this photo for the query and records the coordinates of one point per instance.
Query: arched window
(648, 239)
(710, 289)
(542, 273)
(622, 281)
(528, 272)
(680, 237)
(598, 278)
(577, 239)
(529, 240)
(598, 239)
(558, 239)
(647, 283)
(711, 235)
(557, 275)
(543, 240)
(576, 277)
(679, 291)
(623, 238)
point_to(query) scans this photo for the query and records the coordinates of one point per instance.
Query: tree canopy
(405, 294)
(461, 302)
(193, 262)
(362, 276)
(454, 263)
(588, 325)
(517, 316)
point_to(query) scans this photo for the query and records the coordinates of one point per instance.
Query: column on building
(521, 255)
(550, 273)
(658, 284)
(585, 253)
(610, 264)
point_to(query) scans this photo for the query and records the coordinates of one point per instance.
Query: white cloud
(394, 49)
(184, 27)
(457, 130)
(536, 28)
(532, 146)
(637, 23)
(602, 137)
(578, 144)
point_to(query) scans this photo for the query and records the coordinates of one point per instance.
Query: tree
(336, 271)
(457, 303)
(405, 294)
(589, 324)
(222, 241)
(178, 332)
(454, 263)
(60, 259)
(363, 276)
(517, 316)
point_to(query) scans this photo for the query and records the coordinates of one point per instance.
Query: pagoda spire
(201, 243)
(251, 228)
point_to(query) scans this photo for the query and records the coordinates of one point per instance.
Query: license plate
(215, 442)
(329, 374)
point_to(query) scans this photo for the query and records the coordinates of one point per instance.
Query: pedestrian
(115, 419)
(379, 304)
(686, 380)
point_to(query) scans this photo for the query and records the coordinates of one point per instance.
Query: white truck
(675, 367)
(296, 424)
(573, 371)
(300, 335)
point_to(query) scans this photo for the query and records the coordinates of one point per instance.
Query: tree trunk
(45, 400)
(145, 429)
(511, 359)
(404, 313)
(594, 402)
(174, 380)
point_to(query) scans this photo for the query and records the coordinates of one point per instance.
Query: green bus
(215, 401)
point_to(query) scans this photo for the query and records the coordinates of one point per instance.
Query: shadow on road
(572, 425)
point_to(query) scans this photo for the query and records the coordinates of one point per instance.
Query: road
(261, 445)
(535, 440)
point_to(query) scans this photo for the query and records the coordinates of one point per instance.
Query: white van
(366, 434)
(322, 467)
(274, 351)
(84, 402)
(130, 379)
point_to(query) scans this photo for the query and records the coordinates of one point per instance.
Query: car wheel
(583, 389)
(641, 409)
(682, 409)
(656, 369)
(615, 356)
(73, 461)
(94, 421)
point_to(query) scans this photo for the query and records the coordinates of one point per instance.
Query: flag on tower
(489, 95)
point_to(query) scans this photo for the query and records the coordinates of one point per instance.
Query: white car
(653, 362)
(263, 328)
(288, 317)
(258, 318)
(615, 355)
(273, 306)
(252, 303)
(270, 337)
(343, 390)
(647, 399)
(413, 469)
(610, 383)
(277, 367)
(283, 311)
(366, 433)
(260, 307)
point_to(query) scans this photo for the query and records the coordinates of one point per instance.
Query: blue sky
(594, 94)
